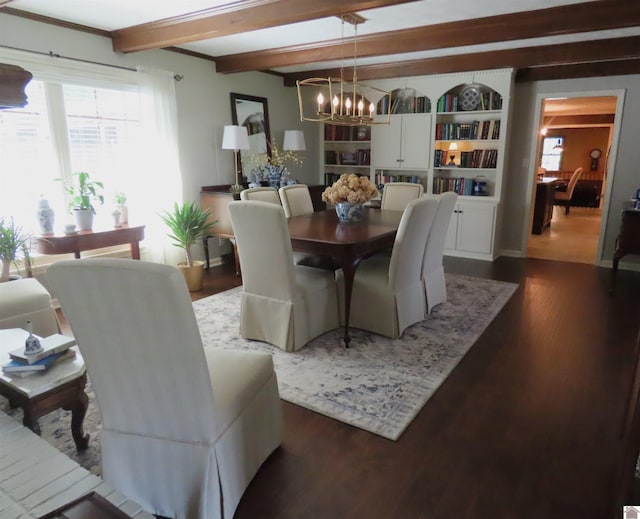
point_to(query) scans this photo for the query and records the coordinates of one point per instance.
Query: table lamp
(293, 140)
(235, 138)
(453, 147)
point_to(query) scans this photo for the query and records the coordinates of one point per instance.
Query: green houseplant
(84, 193)
(14, 247)
(188, 224)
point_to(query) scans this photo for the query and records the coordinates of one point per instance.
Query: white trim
(533, 159)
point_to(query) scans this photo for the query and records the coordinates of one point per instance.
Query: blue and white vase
(348, 212)
(273, 176)
(45, 217)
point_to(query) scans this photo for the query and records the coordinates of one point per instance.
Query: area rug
(377, 384)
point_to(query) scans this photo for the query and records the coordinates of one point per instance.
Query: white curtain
(161, 179)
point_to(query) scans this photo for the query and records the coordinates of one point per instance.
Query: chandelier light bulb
(360, 107)
(347, 105)
(320, 102)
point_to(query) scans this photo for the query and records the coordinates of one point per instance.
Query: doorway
(573, 132)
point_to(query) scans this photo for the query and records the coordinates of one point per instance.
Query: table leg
(205, 246)
(29, 420)
(349, 272)
(135, 250)
(78, 410)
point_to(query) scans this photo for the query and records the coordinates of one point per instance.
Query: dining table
(347, 243)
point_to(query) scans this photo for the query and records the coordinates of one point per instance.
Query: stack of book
(55, 348)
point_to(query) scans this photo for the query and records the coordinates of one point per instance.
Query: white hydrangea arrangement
(350, 188)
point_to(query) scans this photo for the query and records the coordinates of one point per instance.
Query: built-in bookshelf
(404, 101)
(467, 141)
(347, 149)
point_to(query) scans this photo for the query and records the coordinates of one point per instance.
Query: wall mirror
(253, 113)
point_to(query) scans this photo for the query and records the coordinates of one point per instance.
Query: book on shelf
(50, 345)
(14, 366)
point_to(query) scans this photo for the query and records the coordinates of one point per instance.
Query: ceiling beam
(577, 70)
(234, 18)
(523, 57)
(591, 16)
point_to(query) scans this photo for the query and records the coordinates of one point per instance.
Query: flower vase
(45, 217)
(348, 212)
(273, 176)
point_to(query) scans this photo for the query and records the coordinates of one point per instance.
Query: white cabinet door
(385, 149)
(416, 141)
(405, 143)
(471, 229)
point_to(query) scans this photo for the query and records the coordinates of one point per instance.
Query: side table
(628, 241)
(61, 386)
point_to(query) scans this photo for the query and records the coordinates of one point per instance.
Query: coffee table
(61, 386)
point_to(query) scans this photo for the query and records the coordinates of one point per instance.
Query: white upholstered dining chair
(265, 194)
(435, 289)
(184, 427)
(283, 304)
(296, 200)
(388, 293)
(396, 195)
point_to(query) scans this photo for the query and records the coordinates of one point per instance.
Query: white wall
(518, 175)
(203, 100)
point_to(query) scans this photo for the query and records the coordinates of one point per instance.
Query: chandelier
(341, 102)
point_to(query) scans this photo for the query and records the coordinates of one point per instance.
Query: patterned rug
(378, 384)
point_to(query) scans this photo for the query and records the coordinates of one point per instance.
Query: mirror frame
(243, 106)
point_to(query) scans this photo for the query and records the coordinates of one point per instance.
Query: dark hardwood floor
(537, 421)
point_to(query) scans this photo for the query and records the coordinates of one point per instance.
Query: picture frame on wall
(253, 113)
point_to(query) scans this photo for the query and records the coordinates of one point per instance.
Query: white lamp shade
(453, 146)
(235, 138)
(293, 140)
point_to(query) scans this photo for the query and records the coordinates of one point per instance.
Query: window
(552, 153)
(65, 129)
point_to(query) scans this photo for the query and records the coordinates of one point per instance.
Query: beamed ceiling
(303, 38)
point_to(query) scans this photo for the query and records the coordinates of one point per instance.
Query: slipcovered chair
(266, 194)
(564, 197)
(283, 304)
(388, 293)
(296, 200)
(184, 427)
(435, 288)
(396, 195)
(23, 300)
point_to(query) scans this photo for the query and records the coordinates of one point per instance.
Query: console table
(628, 241)
(89, 240)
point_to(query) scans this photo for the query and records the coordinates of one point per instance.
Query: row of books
(487, 101)
(346, 133)
(381, 179)
(55, 348)
(480, 158)
(360, 157)
(462, 186)
(475, 130)
(411, 105)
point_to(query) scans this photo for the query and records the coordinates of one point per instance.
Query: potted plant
(84, 193)
(14, 248)
(119, 201)
(188, 224)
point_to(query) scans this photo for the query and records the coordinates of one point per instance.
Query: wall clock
(595, 155)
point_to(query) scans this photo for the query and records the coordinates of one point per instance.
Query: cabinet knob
(399, 160)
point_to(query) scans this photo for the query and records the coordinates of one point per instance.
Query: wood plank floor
(572, 237)
(533, 423)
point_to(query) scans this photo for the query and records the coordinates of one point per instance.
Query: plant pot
(193, 275)
(83, 218)
(124, 213)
